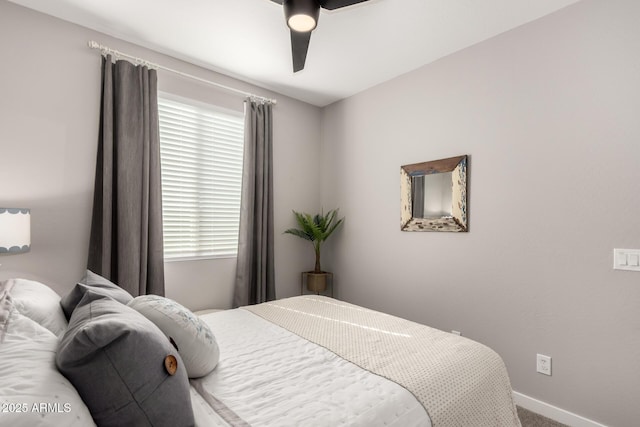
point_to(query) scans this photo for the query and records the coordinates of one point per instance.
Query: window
(201, 150)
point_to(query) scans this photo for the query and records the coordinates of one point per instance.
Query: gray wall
(550, 116)
(49, 107)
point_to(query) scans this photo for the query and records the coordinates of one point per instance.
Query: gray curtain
(126, 231)
(255, 279)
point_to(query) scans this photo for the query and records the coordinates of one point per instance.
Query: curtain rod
(108, 51)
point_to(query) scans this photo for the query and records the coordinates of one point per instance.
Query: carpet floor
(531, 419)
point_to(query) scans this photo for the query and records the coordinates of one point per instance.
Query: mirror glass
(434, 195)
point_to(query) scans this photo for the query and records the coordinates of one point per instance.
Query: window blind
(201, 152)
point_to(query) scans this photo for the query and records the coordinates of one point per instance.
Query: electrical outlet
(543, 364)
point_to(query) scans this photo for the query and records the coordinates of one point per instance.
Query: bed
(300, 361)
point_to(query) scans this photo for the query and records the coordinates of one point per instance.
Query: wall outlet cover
(543, 364)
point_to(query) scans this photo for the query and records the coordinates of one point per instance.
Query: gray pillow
(117, 360)
(96, 283)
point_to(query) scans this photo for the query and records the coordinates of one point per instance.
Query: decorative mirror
(434, 195)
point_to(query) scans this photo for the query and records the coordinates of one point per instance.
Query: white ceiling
(352, 49)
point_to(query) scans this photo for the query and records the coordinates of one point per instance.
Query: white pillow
(38, 302)
(195, 341)
(32, 391)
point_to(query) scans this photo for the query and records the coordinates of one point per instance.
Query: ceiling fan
(302, 18)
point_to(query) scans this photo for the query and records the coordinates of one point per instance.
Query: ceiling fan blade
(299, 48)
(337, 4)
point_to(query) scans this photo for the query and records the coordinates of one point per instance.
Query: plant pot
(317, 282)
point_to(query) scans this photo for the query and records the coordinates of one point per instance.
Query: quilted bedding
(268, 376)
(458, 381)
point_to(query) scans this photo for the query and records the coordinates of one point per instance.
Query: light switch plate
(626, 259)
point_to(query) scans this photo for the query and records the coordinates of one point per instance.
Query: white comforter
(268, 376)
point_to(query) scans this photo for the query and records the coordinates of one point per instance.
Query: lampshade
(301, 15)
(15, 230)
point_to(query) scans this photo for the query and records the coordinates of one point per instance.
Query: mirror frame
(457, 221)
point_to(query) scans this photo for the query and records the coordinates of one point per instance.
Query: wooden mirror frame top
(457, 221)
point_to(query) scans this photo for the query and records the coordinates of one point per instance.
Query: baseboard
(553, 412)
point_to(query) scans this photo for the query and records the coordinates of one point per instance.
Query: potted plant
(316, 229)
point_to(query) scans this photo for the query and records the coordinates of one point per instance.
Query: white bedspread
(268, 376)
(460, 382)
